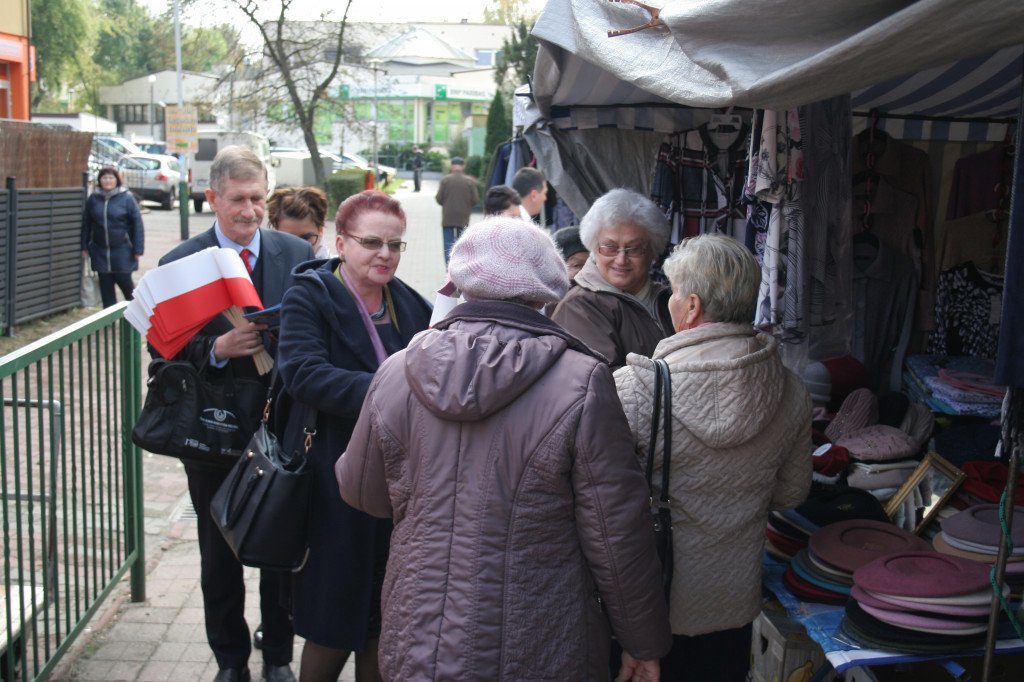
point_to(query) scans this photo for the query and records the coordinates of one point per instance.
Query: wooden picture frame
(932, 463)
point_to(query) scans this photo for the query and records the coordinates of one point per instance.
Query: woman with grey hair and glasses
(741, 446)
(616, 309)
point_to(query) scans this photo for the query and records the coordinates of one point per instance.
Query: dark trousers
(224, 587)
(722, 656)
(107, 281)
(451, 235)
(417, 178)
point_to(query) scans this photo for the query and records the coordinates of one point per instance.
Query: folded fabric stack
(882, 479)
(954, 385)
(823, 572)
(975, 534)
(919, 602)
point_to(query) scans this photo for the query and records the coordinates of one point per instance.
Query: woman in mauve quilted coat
(497, 444)
(741, 445)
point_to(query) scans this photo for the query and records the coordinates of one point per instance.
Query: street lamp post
(152, 112)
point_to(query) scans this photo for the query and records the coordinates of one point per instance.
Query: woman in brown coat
(496, 443)
(616, 309)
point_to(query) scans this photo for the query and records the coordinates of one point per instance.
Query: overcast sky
(361, 10)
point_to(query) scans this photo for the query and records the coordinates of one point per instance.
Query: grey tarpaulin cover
(769, 54)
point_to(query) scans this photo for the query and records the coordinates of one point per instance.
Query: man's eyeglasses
(612, 250)
(375, 243)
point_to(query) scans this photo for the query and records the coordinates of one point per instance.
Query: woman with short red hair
(339, 321)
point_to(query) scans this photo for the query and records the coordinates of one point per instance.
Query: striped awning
(959, 101)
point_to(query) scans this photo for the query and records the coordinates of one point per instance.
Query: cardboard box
(781, 651)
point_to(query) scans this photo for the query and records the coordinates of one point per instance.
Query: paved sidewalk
(163, 639)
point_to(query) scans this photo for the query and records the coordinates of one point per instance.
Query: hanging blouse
(968, 308)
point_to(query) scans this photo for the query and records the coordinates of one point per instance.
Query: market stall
(866, 91)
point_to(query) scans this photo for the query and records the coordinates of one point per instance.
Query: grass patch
(34, 330)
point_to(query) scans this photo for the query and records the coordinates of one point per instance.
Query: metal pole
(1012, 417)
(152, 111)
(12, 254)
(183, 194)
(131, 367)
(375, 171)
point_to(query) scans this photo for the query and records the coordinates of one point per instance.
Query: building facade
(17, 59)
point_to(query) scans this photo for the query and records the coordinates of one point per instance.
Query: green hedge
(341, 186)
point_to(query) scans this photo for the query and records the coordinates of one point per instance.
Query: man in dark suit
(238, 197)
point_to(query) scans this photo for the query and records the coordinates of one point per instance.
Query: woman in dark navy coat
(112, 235)
(339, 321)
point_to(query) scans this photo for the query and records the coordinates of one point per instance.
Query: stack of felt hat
(919, 602)
(823, 572)
(788, 531)
(975, 533)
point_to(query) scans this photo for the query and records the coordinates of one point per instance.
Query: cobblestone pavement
(163, 638)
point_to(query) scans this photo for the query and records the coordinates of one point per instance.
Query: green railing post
(131, 366)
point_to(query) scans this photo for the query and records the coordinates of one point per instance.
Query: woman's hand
(638, 671)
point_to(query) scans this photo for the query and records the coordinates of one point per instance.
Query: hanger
(725, 123)
(655, 19)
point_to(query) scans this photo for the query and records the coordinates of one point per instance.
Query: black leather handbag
(195, 416)
(661, 509)
(262, 507)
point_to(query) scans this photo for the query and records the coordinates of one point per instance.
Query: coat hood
(482, 357)
(727, 381)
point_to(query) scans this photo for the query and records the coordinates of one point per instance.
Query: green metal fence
(71, 484)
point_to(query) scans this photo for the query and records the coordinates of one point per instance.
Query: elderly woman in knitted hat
(497, 445)
(616, 309)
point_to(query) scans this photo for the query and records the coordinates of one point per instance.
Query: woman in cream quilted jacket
(741, 445)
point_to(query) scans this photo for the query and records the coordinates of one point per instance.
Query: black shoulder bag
(662, 511)
(205, 417)
(262, 507)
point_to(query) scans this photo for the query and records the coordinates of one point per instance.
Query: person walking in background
(457, 195)
(238, 197)
(417, 168)
(533, 191)
(502, 200)
(338, 323)
(112, 235)
(300, 211)
(741, 445)
(496, 443)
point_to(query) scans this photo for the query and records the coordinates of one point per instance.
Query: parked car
(153, 177)
(154, 147)
(356, 161)
(210, 142)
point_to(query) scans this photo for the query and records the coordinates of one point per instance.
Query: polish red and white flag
(176, 300)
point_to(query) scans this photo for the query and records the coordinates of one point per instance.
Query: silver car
(153, 177)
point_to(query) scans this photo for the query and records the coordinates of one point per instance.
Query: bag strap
(308, 424)
(655, 416)
(666, 386)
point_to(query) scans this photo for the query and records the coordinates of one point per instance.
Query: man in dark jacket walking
(417, 168)
(457, 196)
(238, 196)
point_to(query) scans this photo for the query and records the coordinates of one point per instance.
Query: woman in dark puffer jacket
(112, 235)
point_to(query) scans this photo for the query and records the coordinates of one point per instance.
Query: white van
(210, 143)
